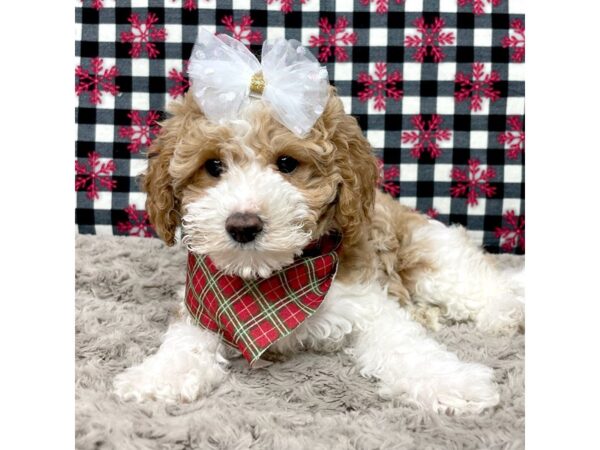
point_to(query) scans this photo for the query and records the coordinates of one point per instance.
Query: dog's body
(397, 267)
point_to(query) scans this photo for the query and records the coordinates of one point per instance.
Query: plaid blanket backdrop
(437, 86)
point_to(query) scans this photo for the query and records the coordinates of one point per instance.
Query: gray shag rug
(125, 294)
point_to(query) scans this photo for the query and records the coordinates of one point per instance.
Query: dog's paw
(183, 377)
(503, 316)
(468, 390)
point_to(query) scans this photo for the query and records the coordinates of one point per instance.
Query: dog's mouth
(249, 252)
(247, 262)
(251, 262)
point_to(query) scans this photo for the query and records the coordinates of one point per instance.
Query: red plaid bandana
(253, 314)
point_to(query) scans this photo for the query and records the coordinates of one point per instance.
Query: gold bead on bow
(257, 84)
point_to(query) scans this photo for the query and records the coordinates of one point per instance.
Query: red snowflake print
(381, 6)
(432, 213)
(96, 4)
(478, 5)
(142, 34)
(189, 4)
(89, 176)
(182, 84)
(137, 225)
(477, 86)
(431, 39)
(242, 31)
(287, 6)
(389, 179)
(472, 183)
(95, 80)
(516, 41)
(333, 37)
(426, 135)
(380, 87)
(141, 131)
(514, 138)
(513, 235)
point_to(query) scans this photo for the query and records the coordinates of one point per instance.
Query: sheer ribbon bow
(226, 75)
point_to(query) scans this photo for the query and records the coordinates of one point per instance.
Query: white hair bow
(225, 75)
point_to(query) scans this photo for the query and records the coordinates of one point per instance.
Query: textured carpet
(125, 292)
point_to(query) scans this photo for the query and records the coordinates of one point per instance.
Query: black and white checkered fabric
(385, 38)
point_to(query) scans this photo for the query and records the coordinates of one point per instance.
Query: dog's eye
(286, 164)
(214, 167)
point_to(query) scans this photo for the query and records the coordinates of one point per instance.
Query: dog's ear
(358, 169)
(163, 202)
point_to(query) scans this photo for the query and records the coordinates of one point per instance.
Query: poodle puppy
(252, 195)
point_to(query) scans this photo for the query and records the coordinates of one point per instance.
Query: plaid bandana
(253, 314)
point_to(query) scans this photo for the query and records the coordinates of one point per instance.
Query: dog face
(250, 194)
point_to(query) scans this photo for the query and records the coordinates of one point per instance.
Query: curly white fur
(464, 283)
(188, 364)
(389, 346)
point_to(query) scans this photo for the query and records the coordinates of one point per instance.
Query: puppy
(396, 267)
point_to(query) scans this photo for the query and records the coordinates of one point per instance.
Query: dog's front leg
(188, 364)
(390, 346)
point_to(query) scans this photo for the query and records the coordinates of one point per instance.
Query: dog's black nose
(243, 227)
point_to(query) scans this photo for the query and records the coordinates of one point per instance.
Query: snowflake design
(242, 31)
(514, 138)
(425, 136)
(334, 37)
(190, 4)
(89, 176)
(478, 5)
(432, 213)
(95, 80)
(478, 86)
(472, 183)
(137, 225)
(96, 4)
(381, 6)
(287, 6)
(141, 130)
(513, 235)
(516, 41)
(380, 87)
(182, 84)
(431, 39)
(388, 179)
(142, 34)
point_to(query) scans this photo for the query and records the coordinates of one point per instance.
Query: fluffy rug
(125, 292)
